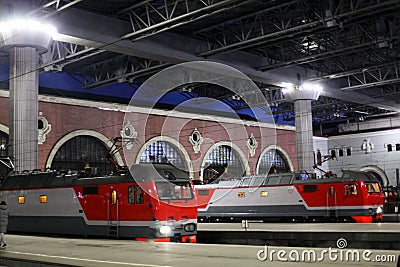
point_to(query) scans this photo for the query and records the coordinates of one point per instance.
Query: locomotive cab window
(135, 195)
(175, 190)
(350, 189)
(373, 187)
(131, 194)
(139, 195)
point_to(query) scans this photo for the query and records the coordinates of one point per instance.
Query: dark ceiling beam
(75, 26)
(44, 9)
(134, 6)
(60, 55)
(78, 27)
(353, 72)
(127, 76)
(316, 57)
(223, 24)
(257, 41)
(332, 90)
(370, 84)
(311, 26)
(169, 23)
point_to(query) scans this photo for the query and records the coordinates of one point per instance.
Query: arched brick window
(81, 150)
(223, 163)
(163, 152)
(273, 159)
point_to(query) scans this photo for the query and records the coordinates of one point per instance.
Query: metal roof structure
(350, 47)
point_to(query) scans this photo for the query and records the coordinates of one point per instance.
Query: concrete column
(24, 63)
(304, 135)
(302, 98)
(24, 40)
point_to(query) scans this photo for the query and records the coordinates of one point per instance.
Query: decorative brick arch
(281, 150)
(174, 142)
(104, 139)
(377, 172)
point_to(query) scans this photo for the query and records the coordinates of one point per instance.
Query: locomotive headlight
(379, 210)
(190, 227)
(165, 230)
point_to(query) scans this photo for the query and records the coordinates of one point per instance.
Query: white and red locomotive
(123, 205)
(355, 196)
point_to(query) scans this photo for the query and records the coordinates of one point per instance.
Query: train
(126, 205)
(354, 197)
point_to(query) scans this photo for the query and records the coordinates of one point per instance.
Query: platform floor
(360, 236)
(99, 252)
(304, 227)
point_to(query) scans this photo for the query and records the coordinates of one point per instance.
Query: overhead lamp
(287, 87)
(26, 33)
(311, 87)
(28, 25)
(309, 91)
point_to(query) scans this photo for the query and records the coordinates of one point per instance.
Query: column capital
(25, 33)
(302, 92)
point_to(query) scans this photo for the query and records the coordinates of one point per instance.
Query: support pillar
(302, 98)
(24, 41)
(24, 63)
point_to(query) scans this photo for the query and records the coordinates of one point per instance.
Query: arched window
(82, 151)
(3, 144)
(223, 163)
(164, 152)
(273, 160)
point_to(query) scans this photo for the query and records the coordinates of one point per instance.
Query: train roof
(160, 172)
(293, 178)
(48, 179)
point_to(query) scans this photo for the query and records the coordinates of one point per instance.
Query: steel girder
(148, 18)
(288, 20)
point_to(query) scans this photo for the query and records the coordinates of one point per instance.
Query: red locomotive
(124, 205)
(355, 196)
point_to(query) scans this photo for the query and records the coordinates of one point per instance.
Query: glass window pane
(82, 151)
(131, 195)
(164, 152)
(139, 195)
(222, 164)
(273, 161)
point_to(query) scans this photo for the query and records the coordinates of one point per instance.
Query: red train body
(356, 196)
(119, 206)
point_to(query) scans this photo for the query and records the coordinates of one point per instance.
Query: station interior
(162, 132)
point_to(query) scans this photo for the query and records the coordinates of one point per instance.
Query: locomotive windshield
(373, 187)
(174, 190)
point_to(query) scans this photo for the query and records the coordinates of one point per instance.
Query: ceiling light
(27, 25)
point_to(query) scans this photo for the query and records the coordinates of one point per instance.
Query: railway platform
(357, 235)
(24, 251)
